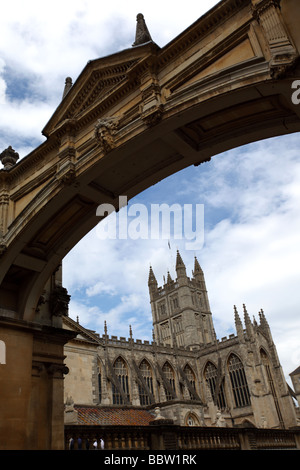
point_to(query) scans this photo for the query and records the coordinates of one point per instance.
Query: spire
(169, 279)
(151, 279)
(142, 34)
(180, 266)
(68, 86)
(179, 262)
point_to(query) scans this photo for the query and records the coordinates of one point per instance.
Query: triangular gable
(97, 79)
(83, 334)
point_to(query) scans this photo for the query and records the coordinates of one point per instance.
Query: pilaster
(282, 50)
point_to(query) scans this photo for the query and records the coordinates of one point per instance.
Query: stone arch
(123, 358)
(247, 423)
(183, 114)
(208, 361)
(145, 358)
(191, 419)
(188, 365)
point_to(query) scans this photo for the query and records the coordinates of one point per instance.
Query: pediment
(97, 80)
(83, 334)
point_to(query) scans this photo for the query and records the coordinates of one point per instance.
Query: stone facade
(185, 373)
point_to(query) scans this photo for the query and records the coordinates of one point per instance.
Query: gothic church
(185, 374)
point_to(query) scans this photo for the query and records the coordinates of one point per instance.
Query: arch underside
(192, 137)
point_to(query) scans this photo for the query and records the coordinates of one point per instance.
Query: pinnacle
(151, 278)
(262, 317)
(142, 34)
(197, 267)
(246, 315)
(236, 316)
(179, 261)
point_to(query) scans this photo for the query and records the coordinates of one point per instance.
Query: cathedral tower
(180, 308)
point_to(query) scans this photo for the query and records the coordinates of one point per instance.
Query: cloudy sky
(250, 195)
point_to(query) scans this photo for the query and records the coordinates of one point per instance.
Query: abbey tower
(180, 309)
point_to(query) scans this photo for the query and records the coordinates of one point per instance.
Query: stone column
(31, 383)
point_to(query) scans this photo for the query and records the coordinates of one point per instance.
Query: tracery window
(191, 378)
(165, 332)
(169, 375)
(238, 381)
(174, 303)
(121, 372)
(147, 375)
(162, 308)
(210, 374)
(178, 330)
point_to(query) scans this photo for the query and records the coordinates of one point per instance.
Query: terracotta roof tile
(113, 416)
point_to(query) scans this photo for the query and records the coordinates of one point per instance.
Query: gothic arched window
(238, 381)
(121, 373)
(169, 375)
(210, 374)
(191, 378)
(192, 420)
(146, 372)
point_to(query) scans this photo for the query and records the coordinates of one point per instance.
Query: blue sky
(250, 195)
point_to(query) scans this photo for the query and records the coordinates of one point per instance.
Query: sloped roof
(83, 334)
(113, 416)
(296, 371)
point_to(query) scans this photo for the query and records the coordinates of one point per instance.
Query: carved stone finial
(142, 34)
(9, 158)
